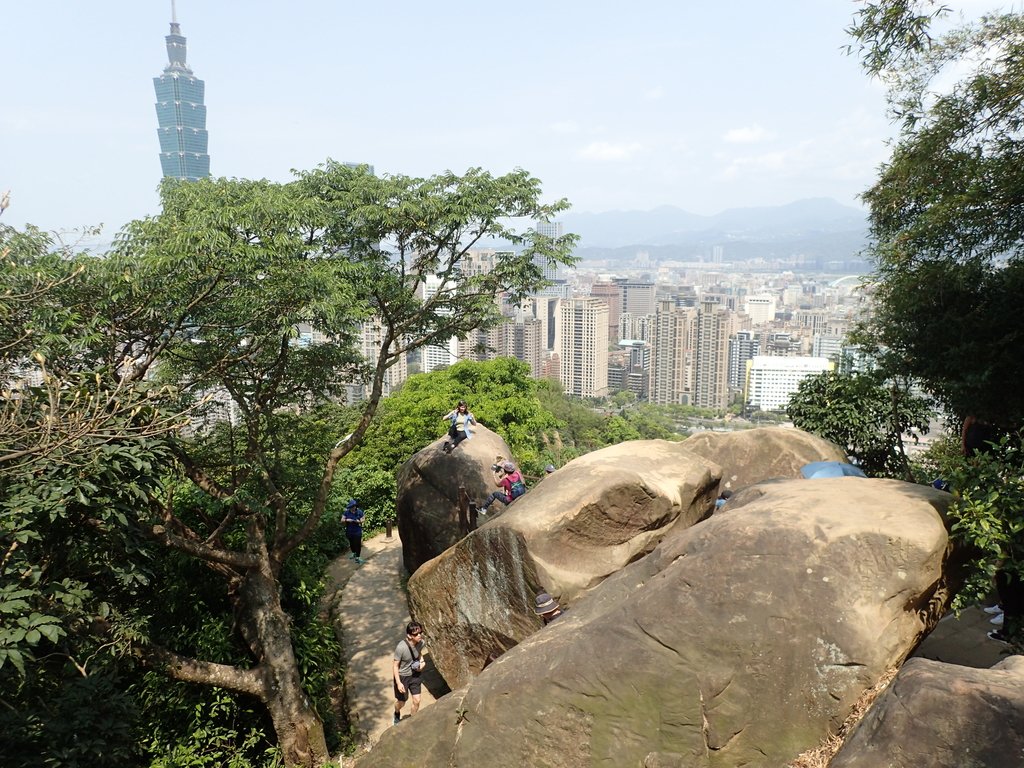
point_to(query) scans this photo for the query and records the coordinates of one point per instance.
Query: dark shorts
(412, 684)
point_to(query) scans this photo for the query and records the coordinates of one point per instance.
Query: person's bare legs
(415, 704)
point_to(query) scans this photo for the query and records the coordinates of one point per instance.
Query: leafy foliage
(946, 213)
(865, 417)
(195, 551)
(947, 219)
(988, 518)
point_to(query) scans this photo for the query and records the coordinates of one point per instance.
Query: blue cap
(351, 503)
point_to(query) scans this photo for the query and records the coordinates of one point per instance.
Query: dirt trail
(369, 607)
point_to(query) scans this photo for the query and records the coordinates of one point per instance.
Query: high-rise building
(760, 308)
(436, 356)
(711, 369)
(545, 309)
(583, 351)
(743, 346)
(638, 297)
(610, 294)
(671, 367)
(181, 113)
(554, 230)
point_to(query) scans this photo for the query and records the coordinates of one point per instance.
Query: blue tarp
(818, 469)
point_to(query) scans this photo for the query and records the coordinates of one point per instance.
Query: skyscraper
(554, 230)
(180, 113)
(671, 367)
(711, 380)
(583, 351)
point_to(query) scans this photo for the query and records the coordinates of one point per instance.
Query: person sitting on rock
(508, 478)
(547, 608)
(460, 420)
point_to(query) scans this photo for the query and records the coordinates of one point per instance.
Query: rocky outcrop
(943, 716)
(741, 640)
(586, 521)
(753, 455)
(428, 493)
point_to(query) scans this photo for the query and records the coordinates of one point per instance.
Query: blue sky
(614, 106)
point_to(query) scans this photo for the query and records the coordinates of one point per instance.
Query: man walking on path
(406, 669)
(368, 603)
(353, 518)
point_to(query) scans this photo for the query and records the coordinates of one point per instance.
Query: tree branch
(191, 670)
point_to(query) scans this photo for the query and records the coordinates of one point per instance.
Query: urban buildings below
(711, 365)
(771, 381)
(181, 114)
(583, 334)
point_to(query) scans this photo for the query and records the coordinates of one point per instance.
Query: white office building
(771, 381)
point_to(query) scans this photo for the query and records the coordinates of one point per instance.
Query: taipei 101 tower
(181, 113)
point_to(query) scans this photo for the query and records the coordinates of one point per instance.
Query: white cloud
(607, 152)
(655, 93)
(750, 134)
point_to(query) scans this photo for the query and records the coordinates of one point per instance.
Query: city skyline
(612, 109)
(700, 106)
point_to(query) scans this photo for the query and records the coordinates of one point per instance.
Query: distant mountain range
(668, 225)
(821, 230)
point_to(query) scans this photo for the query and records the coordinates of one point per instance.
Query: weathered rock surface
(581, 524)
(738, 641)
(943, 716)
(753, 455)
(428, 493)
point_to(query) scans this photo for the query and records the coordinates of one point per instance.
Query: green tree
(203, 304)
(947, 220)
(946, 211)
(502, 397)
(865, 417)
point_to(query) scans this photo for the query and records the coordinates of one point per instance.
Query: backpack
(517, 489)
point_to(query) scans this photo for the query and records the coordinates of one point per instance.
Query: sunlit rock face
(741, 639)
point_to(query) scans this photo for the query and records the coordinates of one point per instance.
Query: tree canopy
(182, 353)
(947, 211)
(947, 219)
(866, 417)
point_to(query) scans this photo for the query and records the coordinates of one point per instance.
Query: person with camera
(407, 667)
(509, 480)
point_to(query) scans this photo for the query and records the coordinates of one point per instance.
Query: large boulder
(429, 484)
(753, 455)
(943, 716)
(741, 640)
(584, 522)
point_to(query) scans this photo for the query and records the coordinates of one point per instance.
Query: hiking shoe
(999, 636)
(359, 560)
(397, 720)
(351, 555)
(998, 620)
(993, 609)
(447, 448)
(482, 511)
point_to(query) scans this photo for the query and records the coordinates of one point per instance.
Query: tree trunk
(265, 625)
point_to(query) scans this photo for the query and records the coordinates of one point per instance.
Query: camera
(495, 467)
